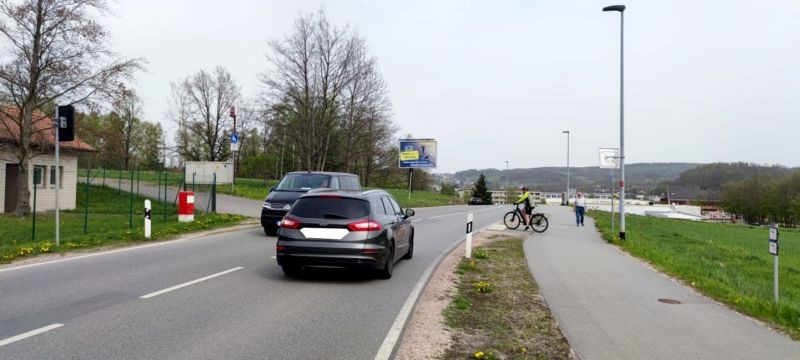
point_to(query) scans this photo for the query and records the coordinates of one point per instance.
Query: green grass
(727, 262)
(497, 312)
(108, 225)
(422, 198)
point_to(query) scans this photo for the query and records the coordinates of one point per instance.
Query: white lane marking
(389, 343)
(29, 334)
(274, 257)
(176, 287)
(160, 243)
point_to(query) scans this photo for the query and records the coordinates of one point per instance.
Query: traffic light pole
(57, 128)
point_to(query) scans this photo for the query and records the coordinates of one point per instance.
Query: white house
(42, 143)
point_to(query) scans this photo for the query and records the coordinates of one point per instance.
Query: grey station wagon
(345, 229)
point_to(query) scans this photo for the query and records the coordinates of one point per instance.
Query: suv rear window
(299, 182)
(330, 208)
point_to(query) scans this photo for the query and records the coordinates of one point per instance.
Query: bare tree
(180, 113)
(55, 51)
(210, 96)
(128, 107)
(313, 66)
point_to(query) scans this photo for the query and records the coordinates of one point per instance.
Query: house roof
(42, 131)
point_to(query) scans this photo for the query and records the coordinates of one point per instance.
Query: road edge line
(389, 345)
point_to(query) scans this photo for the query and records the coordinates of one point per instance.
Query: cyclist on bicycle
(526, 198)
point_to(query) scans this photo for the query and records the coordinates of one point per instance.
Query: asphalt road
(607, 304)
(212, 297)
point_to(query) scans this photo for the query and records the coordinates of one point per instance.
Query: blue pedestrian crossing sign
(234, 138)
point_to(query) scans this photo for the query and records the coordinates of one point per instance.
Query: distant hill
(713, 176)
(638, 177)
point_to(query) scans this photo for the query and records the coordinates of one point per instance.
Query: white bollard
(147, 214)
(468, 246)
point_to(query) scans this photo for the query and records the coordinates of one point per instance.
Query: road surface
(213, 297)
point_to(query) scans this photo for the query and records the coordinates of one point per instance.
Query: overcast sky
(493, 81)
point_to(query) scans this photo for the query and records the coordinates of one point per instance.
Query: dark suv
(294, 184)
(345, 229)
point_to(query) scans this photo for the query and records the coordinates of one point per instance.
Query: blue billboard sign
(417, 153)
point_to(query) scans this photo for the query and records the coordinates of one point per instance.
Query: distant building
(42, 142)
(680, 194)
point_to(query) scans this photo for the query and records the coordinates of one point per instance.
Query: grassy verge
(422, 198)
(108, 225)
(729, 263)
(497, 312)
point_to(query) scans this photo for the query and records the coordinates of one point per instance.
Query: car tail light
(371, 251)
(289, 223)
(364, 225)
(280, 248)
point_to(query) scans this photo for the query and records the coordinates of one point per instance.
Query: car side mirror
(409, 213)
(272, 189)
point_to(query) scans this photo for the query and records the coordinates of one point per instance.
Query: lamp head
(619, 8)
(565, 132)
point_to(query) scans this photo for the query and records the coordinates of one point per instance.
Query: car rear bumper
(346, 257)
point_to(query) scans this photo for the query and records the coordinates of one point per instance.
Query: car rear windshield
(330, 208)
(303, 182)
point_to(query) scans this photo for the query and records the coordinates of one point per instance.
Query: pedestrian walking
(580, 209)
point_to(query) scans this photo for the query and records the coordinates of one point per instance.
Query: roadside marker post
(147, 219)
(774, 249)
(468, 246)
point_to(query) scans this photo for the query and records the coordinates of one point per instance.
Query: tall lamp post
(566, 196)
(621, 9)
(507, 190)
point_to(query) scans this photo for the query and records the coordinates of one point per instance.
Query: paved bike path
(606, 303)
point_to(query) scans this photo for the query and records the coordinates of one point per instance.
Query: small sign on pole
(468, 246)
(773, 249)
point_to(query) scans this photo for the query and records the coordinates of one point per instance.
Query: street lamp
(507, 190)
(621, 9)
(566, 197)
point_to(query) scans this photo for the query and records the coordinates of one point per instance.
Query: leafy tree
(480, 190)
(448, 189)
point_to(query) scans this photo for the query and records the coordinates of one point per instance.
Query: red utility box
(186, 206)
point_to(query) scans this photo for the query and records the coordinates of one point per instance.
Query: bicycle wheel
(511, 220)
(539, 223)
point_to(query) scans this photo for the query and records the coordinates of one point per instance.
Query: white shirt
(581, 201)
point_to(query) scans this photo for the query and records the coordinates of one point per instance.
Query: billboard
(417, 153)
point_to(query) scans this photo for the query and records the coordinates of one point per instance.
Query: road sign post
(234, 150)
(774, 249)
(468, 246)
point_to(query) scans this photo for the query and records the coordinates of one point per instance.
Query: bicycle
(514, 218)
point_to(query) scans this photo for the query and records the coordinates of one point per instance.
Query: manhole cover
(669, 301)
